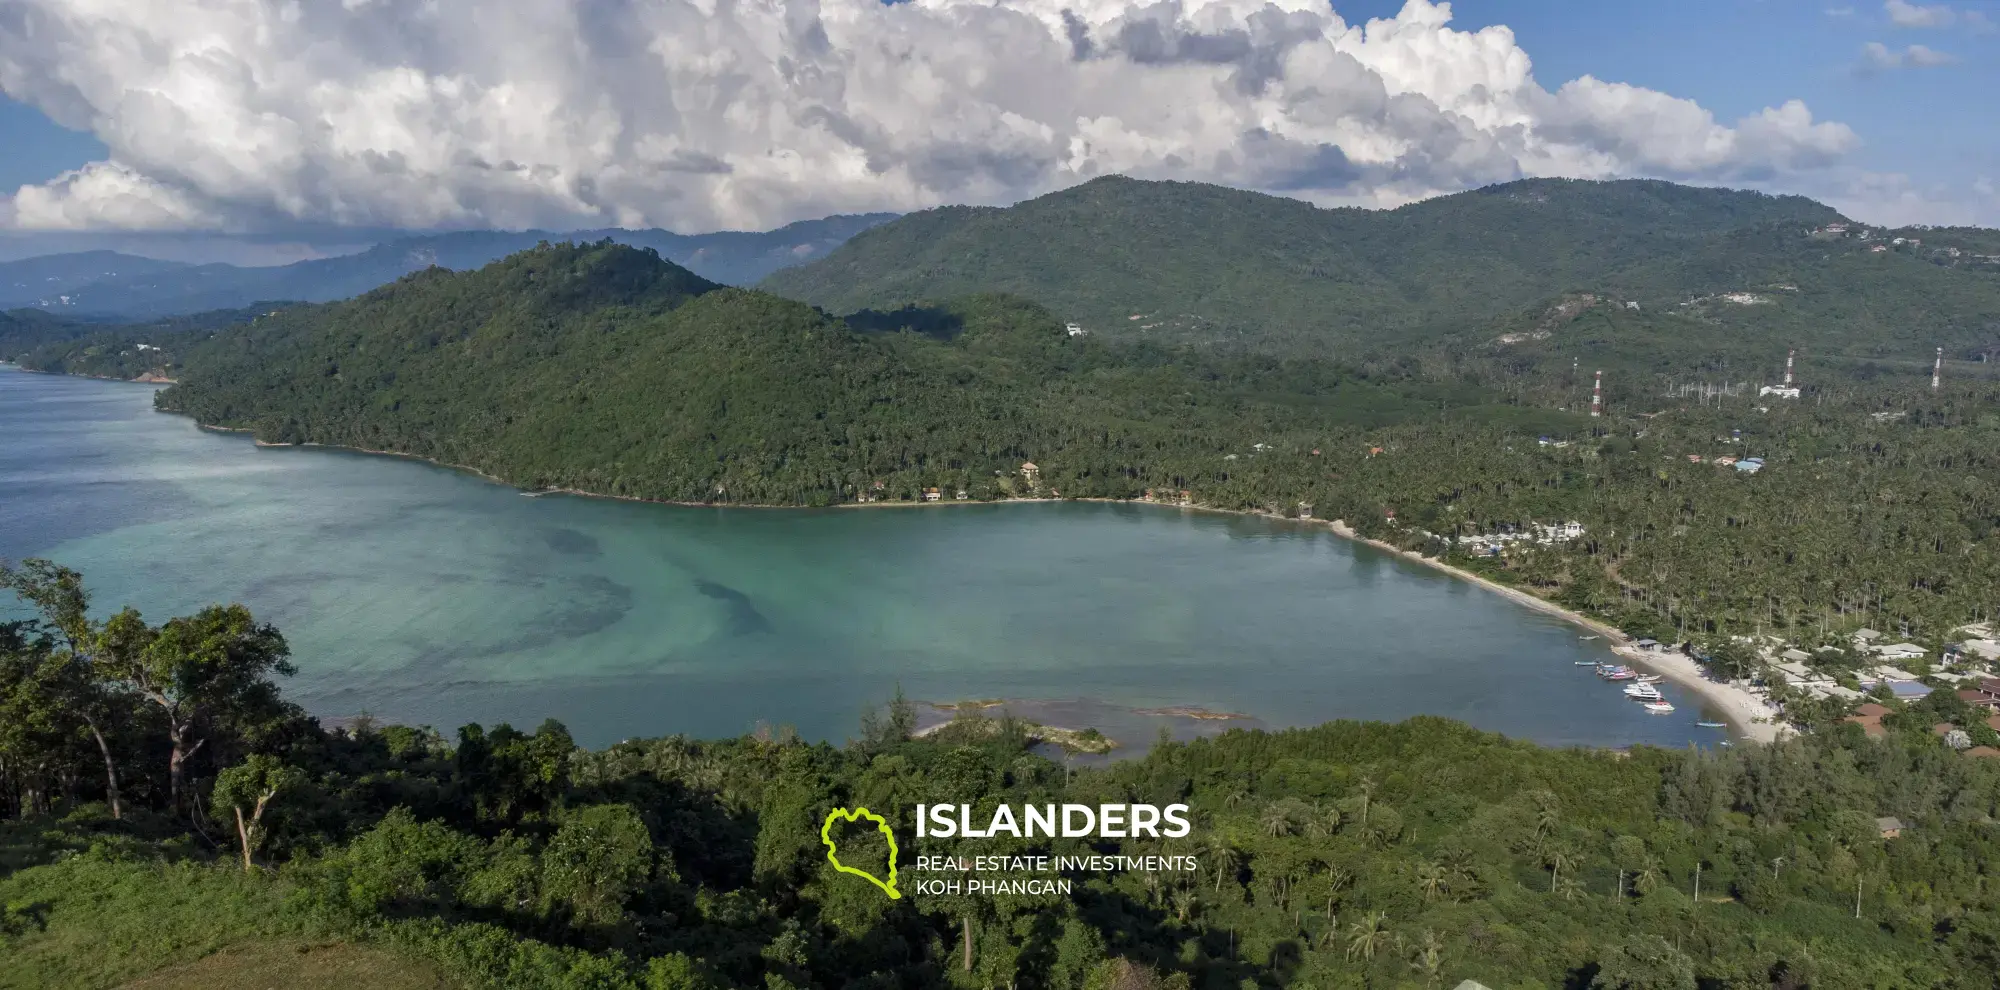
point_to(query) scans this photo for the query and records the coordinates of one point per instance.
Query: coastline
(1748, 717)
(1745, 712)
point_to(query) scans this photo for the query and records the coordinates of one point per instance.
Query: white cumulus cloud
(1878, 57)
(1904, 14)
(703, 114)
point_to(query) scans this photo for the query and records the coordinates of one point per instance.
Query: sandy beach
(1745, 711)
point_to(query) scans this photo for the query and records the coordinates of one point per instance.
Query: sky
(301, 122)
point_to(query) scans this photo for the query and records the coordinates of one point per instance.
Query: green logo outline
(833, 851)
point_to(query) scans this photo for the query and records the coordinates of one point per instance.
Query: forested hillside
(607, 369)
(159, 802)
(1187, 262)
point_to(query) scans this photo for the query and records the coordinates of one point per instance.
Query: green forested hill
(605, 368)
(1190, 262)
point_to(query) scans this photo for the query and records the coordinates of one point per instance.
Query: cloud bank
(706, 114)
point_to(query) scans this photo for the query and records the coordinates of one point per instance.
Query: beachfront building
(1542, 534)
(932, 495)
(1898, 651)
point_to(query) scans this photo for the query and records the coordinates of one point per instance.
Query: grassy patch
(94, 922)
(297, 966)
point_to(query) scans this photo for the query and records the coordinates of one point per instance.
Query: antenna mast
(1597, 395)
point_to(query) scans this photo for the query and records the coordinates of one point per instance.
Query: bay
(424, 595)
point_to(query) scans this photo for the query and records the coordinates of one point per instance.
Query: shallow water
(425, 595)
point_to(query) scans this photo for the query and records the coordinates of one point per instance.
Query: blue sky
(1906, 77)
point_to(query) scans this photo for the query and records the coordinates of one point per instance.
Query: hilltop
(1178, 261)
(109, 285)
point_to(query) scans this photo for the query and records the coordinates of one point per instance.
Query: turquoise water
(426, 595)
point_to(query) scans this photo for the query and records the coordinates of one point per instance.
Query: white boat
(1651, 678)
(1659, 707)
(1586, 637)
(1586, 663)
(1643, 692)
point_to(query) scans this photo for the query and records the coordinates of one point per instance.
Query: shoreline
(1741, 709)
(1748, 717)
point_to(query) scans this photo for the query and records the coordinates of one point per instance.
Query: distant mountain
(50, 281)
(1179, 261)
(110, 286)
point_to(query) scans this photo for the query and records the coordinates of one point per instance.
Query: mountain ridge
(1190, 263)
(110, 285)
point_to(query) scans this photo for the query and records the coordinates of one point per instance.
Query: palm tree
(1432, 879)
(1277, 821)
(1323, 822)
(1223, 859)
(1184, 902)
(1569, 889)
(1548, 815)
(1429, 959)
(1648, 876)
(1366, 785)
(1557, 858)
(1367, 936)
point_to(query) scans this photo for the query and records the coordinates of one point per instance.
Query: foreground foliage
(1347, 855)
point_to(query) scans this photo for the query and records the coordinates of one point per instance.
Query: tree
(1367, 936)
(195, 668)
(80, 681)
(1432, 879)
(1645, 962)
(599, 856)
(253, 784)
(1429, 957)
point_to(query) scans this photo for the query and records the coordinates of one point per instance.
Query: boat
(1586, 663)
(1586, 638)
(1643, 692)
(1713, 725)
(1660, 707)
(1651, 678)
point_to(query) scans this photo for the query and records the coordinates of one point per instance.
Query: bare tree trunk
(177, 762)
(243, 838)
(110, 770)
(968, 943)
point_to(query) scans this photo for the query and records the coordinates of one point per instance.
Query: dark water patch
(573, 543)
(743, 617)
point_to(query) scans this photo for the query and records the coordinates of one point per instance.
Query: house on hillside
(932, 495)
(1750, 465)
(1986, 695)
(1869, 718)
(1030, 471)
(1890, 826)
